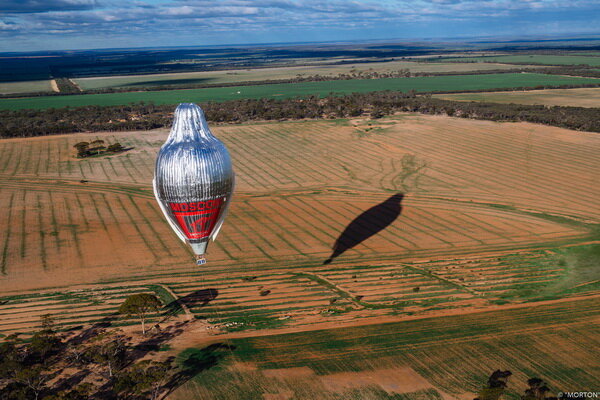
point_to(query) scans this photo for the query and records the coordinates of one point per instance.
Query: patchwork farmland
(586, 97)
(495, 216)
(260, 74)
(450, 83)
(543, 59)
(435, 358)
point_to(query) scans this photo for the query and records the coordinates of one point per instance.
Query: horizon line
(479, 39)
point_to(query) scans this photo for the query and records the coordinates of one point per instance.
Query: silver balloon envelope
(193, 179)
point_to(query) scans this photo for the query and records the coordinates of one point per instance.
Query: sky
(32, 25)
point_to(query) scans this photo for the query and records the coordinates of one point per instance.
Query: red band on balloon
(197, 219)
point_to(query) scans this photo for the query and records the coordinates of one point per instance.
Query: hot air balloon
(193, 179)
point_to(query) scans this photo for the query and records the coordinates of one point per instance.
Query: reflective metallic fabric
(193, 179)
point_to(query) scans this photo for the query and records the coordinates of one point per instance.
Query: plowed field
(490, 216)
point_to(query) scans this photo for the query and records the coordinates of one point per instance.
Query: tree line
(96, 148)
(497, 383)
(145, 116)
(96, 362)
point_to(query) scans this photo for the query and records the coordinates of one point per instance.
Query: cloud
(239, 21)
(445, 1)
(41, 6)
(4, 26)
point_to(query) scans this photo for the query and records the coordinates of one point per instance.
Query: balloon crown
(189, 124)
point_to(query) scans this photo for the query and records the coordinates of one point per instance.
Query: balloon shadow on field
(367, 224)
(198, 298)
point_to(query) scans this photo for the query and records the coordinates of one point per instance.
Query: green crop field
(259, 74)
(278, 91)
(528, 59)
(413, 360)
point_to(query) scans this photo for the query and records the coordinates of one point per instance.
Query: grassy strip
(23, 225)
(163, 294)
(42, 234)
(174, 239)
(137, 228)
(323, 282)
(593, 228)
(82, 208)
(7, 237)
(150, 225)
(346, 295)
(73, 228)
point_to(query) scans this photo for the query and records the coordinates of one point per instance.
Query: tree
(145, 377)
(496, 384)
(114, 148)
(81, 392)
(45, 341)
(75, 353)
(140, 305)
(24, 367)
(97, 150)
(377, 113)
(34, 378)
(109, 350)
(537, 390)
(11, 358)
(98, 146)
(82, 148)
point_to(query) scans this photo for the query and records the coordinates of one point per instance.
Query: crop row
(521, 168)
(47, 231)
(55, 157)
(453, 355)
(265, 296)
(518, 168)
(68, 309)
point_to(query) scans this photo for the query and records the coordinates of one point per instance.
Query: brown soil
(394, 380)
(298, 189)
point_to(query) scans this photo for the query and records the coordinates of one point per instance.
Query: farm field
(520, 226)
(22, 313)
(419, 84)
(545, 59)
(25, 87)
(259, 74)
(584, 97)
(436, 358)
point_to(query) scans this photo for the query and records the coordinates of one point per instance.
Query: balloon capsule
(193, 179)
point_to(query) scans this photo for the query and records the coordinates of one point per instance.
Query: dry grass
(25, 87)
(587, 97)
